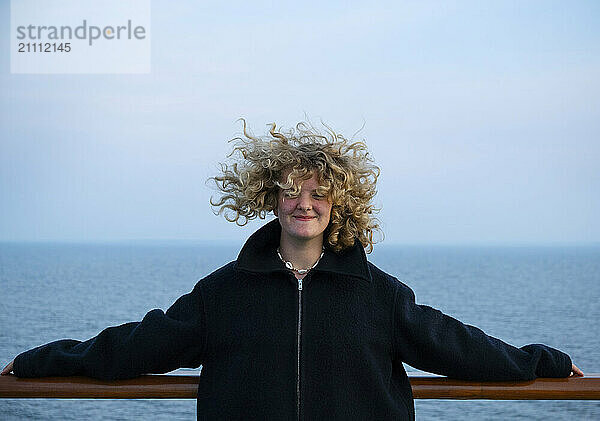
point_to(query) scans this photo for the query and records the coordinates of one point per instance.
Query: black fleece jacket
(333, 350)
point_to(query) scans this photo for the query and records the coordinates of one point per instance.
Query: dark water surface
(522, 295)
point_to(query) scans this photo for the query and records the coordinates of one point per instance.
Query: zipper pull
(299, 284)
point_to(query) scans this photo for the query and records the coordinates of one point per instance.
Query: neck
(302, 254)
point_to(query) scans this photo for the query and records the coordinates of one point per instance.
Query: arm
(429, 340)
(158, 344)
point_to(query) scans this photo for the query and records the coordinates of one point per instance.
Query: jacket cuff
(20, 365)
(568, 365)
(553, 363)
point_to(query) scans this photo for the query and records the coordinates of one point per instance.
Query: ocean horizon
(521, 293)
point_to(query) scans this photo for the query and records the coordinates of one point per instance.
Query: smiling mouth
(305, 218)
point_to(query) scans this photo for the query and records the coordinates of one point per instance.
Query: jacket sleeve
(429, 340)
(161, 342)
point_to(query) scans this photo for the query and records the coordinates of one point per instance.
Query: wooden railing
(186, 386)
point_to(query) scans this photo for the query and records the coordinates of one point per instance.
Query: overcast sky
(483, 116)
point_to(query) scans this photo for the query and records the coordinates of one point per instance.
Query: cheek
(325, 210)
(285, 205)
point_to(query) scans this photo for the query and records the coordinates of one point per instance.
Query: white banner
(80, 36)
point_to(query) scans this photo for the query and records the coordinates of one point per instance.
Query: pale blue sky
(483, 116)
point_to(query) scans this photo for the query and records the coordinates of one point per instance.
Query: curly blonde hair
(250, 184)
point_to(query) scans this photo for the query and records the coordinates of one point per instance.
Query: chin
(305, 234)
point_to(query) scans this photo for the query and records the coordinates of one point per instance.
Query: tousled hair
(250, 183)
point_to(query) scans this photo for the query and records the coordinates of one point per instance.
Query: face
(306, 216)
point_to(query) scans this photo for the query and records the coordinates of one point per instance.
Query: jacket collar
(259, 255)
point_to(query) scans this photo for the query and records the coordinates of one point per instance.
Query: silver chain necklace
(290, 266)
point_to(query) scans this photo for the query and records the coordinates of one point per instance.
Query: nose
(304, 203)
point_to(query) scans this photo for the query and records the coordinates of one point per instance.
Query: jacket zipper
(299, 336)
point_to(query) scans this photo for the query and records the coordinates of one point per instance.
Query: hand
(6, 370)
(575, 371)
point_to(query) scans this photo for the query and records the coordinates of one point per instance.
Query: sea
(521, 294)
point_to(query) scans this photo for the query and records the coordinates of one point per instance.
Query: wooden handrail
(186, 386)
